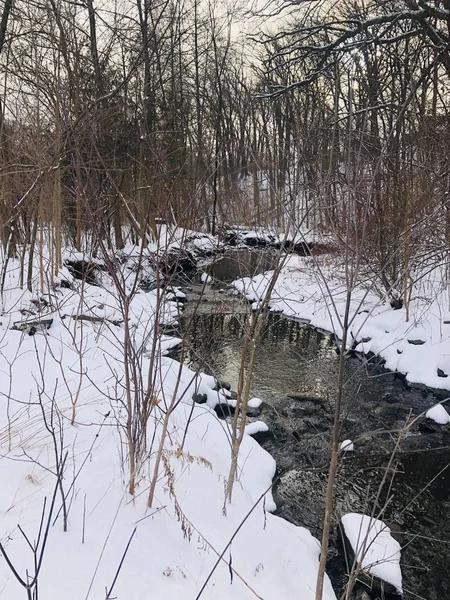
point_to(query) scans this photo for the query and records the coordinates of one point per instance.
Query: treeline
(113, 114)
(363, 92)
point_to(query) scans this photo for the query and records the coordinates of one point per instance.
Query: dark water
(295, 374)
(242, 263)
(218, 297)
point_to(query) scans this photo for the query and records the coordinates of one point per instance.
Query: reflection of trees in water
(291, 358)
(285, 346)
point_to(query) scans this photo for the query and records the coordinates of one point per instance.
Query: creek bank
(413, 343)
(295, 372)
(244, 237)
(298, 439)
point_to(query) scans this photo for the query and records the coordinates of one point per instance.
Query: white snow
(375, 548)
(167, 343)
(438, 414)
(171, 236)
(177, 541)
(256, 427)
(178, 293)
(254, 402)
(206, 278)
(272, 235)
(347, 446)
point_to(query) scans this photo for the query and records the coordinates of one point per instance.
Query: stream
(295, 374)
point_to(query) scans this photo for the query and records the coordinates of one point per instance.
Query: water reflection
(242, 263)
(286, 353)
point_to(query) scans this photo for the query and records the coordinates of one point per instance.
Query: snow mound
(347, 446)
(438, 414)
(374, 547)
(256, 427)
(254, 402)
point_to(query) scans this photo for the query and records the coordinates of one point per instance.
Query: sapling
(30, 583)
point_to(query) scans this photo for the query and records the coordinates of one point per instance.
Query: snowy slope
(177, 542)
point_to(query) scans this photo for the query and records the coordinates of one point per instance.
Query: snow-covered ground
(174, 545)
(313, 289)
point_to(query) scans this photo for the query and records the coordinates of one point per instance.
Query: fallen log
(94, 319)
(32, 326)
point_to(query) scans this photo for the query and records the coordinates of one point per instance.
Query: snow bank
(171, 237)
(254, 402)
(374, 547)
(254, 236)
(256, 427)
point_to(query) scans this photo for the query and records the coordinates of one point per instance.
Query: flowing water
(295, 374)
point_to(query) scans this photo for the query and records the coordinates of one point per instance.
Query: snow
(256, 427)
(273, 236)
(254, 402)
(178, 293)
(206, 278)
(375, 548)
(167, 343)
(178, 539)
(313, 290)
(347, 446)
(438, 414)
(171, 236)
